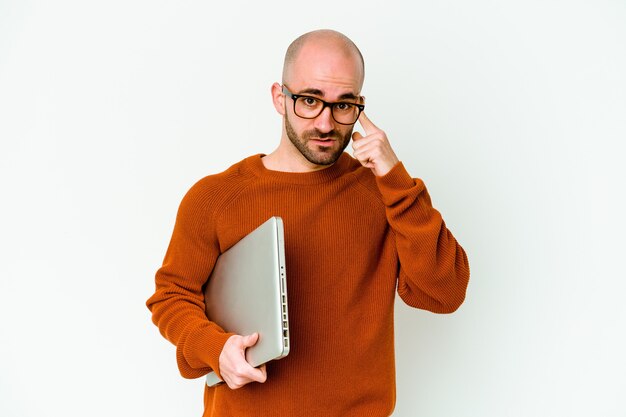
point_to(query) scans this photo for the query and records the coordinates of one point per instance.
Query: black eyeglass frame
(325, 104)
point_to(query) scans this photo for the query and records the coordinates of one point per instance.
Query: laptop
(247, 293)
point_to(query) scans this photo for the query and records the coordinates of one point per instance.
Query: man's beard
(323, 155)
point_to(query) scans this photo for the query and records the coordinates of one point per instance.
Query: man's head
(322, 40)
(324, 65)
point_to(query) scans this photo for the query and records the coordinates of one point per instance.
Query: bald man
(358, 229)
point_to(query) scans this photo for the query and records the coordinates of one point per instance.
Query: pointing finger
(367, 124)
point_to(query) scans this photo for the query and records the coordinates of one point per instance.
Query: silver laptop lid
(247, 293)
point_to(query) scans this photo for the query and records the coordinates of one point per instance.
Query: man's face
(333, 76)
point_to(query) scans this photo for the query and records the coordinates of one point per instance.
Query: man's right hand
(234, 368)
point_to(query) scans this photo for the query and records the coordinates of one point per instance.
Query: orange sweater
(351, 240)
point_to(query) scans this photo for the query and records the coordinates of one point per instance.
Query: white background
(513, 112)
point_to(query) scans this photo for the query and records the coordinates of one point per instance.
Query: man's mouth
(322, 141)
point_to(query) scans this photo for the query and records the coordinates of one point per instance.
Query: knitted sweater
(351, 240)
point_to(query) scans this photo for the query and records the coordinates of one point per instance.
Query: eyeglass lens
(310, 107)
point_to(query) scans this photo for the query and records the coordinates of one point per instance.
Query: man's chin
(323, 156)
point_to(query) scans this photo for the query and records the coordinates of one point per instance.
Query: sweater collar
(255, 165)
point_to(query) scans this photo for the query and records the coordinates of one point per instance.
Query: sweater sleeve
(177, 305)
(434, 270)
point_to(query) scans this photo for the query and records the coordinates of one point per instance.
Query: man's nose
(325, 122)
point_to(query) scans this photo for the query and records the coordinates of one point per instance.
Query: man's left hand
(373, 150)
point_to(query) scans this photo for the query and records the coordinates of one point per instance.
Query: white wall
(514, 113)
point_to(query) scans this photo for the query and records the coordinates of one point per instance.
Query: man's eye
(343, 106)
(310, 101)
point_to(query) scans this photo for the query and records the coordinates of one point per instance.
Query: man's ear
(278, 98)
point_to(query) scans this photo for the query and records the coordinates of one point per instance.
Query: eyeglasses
(309, 107)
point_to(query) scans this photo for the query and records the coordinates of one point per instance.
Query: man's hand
(373, 150)
(235, 371)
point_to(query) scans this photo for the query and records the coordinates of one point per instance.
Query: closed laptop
(247, 293)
